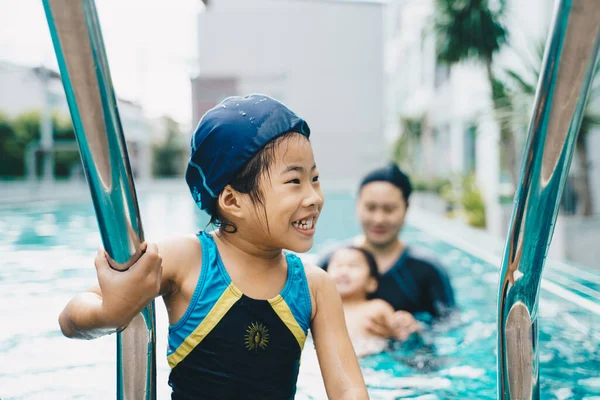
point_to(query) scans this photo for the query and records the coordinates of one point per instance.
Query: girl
(354, 271)
(239, 308)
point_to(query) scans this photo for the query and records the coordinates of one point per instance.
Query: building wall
(22, 89)
(323, 59)
(208, 91)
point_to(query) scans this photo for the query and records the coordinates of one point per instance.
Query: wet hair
(368, 256)
(391, 174)
(247, 180)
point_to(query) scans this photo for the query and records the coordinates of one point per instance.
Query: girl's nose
(314, 198)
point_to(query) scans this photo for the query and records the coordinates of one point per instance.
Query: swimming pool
(46, 253)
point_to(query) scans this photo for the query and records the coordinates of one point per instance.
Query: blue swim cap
(228, 136)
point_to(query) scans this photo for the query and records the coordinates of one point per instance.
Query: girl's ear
(230, 202)
(372, 285)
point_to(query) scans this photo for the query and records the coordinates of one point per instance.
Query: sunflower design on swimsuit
(257, 337)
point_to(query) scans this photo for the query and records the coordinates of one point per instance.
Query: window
(442, 74)
(469, 148)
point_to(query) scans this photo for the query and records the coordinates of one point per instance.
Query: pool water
(46, 254)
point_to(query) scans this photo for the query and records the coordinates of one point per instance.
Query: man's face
(381, 210)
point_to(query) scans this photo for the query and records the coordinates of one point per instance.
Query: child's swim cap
(228, 136)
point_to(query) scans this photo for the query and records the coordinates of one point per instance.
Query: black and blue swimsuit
(230, 346)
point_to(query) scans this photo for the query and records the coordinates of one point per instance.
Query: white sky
(151, 47)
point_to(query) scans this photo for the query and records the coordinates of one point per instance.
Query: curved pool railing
(79, 48)
(567, 71)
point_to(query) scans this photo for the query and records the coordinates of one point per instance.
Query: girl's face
(350, 271)
(292, 196)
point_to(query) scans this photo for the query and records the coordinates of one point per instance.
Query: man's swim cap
(391, 174)
(228, 136)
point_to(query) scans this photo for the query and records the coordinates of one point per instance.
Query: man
(408, 281)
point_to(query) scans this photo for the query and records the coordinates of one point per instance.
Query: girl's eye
(316, 179)
(294, 181)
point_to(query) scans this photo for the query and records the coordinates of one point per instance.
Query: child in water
(354, 271)
(239, 308)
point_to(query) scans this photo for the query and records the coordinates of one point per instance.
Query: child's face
(292, 196)
(350, 272)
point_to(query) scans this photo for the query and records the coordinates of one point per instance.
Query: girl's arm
(339, 365)
(120, 295)
(117, 298)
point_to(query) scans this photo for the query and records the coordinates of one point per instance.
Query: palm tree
(406, 149)
(473, 30)
(518, 102)
(469, 30)
(504, 106)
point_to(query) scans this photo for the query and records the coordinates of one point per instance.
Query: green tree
(64, 160)
(407, 146)
(167, 157)
(469, 30)
(463, 199)
(18, 134)
(472, 30)
(8, 147)
(26, 129)
(504, 108)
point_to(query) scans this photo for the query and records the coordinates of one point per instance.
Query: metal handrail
(567, 71)
(79, 48)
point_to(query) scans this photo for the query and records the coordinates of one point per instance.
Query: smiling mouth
(342, 281)
(305, 226)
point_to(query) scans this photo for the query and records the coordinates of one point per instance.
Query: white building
(355, 69)
(324, 59)
(455, 100)
(24, 89)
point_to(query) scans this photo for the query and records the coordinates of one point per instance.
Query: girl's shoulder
(314, 275)
(181, 248)
(180, 255)
(323, 292)
(317, 279)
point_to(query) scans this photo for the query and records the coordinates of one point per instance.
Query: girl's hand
(120, 295)
(384, 322)
(379, 322)
(126, 293)
(403, 325)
